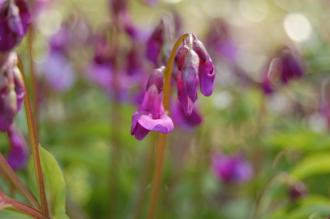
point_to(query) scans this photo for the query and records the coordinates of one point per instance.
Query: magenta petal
(163, 125)
(206, 77)
(190, 79)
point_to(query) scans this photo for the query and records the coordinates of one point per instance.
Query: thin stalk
(35, 149)
(34, 91)
(9, 173)
(20, 207)
(161, 144)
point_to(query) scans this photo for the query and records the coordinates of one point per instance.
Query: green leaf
(312, 165)
(54, 183)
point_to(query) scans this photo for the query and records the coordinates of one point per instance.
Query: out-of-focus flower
(58, 71)
(155, 43)
(231, 169)
(57, 66)
(150, 2)
(297, 190)
(12, 91)
(183, 120)
(285, 66)
(118, 7)
(219, 40)
(194, 66)
(151, 116)
(14, 21)
(18, 153)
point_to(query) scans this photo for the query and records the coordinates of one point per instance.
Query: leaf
(54, 183)
(312, 165)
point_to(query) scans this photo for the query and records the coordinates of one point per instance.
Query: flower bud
(12, 91)
(14, 21)
(18, 153)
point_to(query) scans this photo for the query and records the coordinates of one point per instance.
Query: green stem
(161, 144)
(9, 173)
(35, 148)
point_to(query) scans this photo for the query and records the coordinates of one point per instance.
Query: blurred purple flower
(118, 7)
(14, 21)
(285, 66)
(151, 116)
(155, 43)
(219, 40)
(183, 120)
(231, 169)
(12, 91)
(290, 65)
(18, 153)
(297, 191)
(58, 71)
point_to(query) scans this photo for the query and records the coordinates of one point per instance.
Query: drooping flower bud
(183, 120)
(231, 169)
(18, 153)
(206, 68)
(285, 66)
(14, 21)
(290, 65)
(219, 40)
(151, 116)
(155, 43)
(297, 190)
(12, 91)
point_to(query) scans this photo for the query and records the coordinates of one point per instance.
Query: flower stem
(35, 148)
(161, 144)
(34, 92)
(20, 207)
(9, 173)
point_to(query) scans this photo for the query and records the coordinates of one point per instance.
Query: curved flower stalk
(284, 67)
(12, 91)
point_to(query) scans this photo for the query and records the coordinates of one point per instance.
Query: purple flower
(14, 21)
(193, 66)
(231, 169)
(18, 153)
(12, 91)
(219, 40)
(285, 66)
(58, 71)
(155, 43)
(118, 7)
(290, 65)
(183, 120)
(297, 191)
(206, 68)
(151, 116)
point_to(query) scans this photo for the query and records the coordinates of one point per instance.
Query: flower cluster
(284, 67)
(12, 91)
(14, 22)
(193, 68)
